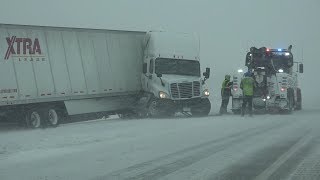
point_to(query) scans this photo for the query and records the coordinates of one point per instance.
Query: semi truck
(276, 81)
(48, 74)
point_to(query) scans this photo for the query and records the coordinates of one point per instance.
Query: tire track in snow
(309, 165)
(309, 168)
(305, 141)
(284, 170)
(272, 162)
(165, 165)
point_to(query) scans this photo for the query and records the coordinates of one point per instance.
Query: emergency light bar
(277, 50)
(264, 49)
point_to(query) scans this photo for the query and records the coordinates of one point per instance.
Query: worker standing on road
(225, 94)
(247, 85)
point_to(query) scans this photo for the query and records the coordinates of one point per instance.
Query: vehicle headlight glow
(268, 97)
(240, 71)
(206, 92)
(287, 54)
(280, 70)
(163, 95)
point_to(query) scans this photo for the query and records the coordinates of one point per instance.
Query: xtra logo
(24, 48)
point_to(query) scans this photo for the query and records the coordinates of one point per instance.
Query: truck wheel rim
(35, 120)
(152, 108)
(53, 117)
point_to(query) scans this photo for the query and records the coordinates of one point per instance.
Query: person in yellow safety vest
(247, 85)
(225, 94)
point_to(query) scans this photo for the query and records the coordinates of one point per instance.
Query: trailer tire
(34, 119)
(53, 117)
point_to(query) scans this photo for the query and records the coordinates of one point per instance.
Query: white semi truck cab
(171, 78)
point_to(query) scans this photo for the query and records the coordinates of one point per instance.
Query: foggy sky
(227, 28)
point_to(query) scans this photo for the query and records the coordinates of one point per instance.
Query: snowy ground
(216, 147)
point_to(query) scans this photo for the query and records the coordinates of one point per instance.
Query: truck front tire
(202, 108)
(153, 108)
(299, 101)
(160, 108)
(290, 104)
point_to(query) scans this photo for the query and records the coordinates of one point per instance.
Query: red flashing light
(283, 89)
(268, 49)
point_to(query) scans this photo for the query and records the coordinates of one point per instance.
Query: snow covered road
(216, 147)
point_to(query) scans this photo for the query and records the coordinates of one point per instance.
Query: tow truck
(276, 81)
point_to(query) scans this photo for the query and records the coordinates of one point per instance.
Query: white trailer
(47, 73)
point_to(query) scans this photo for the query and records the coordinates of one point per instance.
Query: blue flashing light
(279, 50)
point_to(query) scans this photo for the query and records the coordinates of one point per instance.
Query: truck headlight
(206, 92)
(163, 95)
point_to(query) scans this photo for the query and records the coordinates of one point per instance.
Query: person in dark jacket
(247, 85)
(225, 94)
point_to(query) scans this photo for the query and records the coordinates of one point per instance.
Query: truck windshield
(281, 60)
(280, 63)
(177, 66)
(273, 60)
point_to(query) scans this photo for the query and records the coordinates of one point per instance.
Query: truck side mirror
(144, 68)
(159, 75)
(248, 58)
(300, 68)
(207, 73)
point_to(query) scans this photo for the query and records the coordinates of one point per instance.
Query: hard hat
(247, 74)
